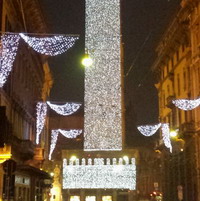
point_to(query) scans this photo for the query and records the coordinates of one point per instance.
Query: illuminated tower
(103, 91)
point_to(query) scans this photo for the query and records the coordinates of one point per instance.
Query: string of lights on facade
(41, 112)
(98, 173)
(73, 133)
(51, 46)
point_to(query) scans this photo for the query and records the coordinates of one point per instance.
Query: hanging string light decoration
(41, 112)
(67, 133)
(70, 133)
(66, 109)
(166, 136)
(186, 104)
(51, 46)
(8, 50)
(54, 138)
(148, 130)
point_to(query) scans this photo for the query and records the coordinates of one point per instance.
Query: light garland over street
(73, 133)
(186, 104)
(149, 130)
(51, 46)
(66, 109)
(9, 47)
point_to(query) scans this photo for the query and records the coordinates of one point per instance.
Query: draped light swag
(51, 46)
(186, 104)
(8, 51)
(67, 133)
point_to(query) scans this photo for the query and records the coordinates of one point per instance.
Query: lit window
(90, 198)
(107, 198)
(74, 198)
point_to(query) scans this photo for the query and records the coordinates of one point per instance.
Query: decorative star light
(41, 112)
(166, 136)
(98, 174)
(8, 50)
(50, 45)
(67, 133)
(185, 104)
(66, 109)
(103, 92)
(149, 130)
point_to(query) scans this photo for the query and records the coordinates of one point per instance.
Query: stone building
(177, 69)
(30, 81)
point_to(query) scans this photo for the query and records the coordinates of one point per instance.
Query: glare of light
(173, 133)
(125, 158)
(51, 174)
(87, 61)
(181, 149)
(73, 158)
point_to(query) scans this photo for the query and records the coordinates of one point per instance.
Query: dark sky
(143, 22)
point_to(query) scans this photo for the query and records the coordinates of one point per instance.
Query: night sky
(143, 22)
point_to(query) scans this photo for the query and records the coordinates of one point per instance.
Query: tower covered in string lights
(103, 120)
(102, 165)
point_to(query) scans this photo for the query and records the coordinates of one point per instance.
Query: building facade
(177, 68)
(30, 81)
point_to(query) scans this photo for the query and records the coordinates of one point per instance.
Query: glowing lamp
(173, 133)
(87, 61)
(73, 158)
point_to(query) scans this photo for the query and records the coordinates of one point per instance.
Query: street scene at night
(100, 100)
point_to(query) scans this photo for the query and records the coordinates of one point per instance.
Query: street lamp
(87, 60)
(173, 133)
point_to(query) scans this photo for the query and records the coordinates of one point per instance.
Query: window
(177, 56)
(8, 26)
(183, 47)
(184, 80)
(168, 90)
(178, 85)
(172, 62)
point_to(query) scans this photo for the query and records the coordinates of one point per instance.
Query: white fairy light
(186, 104)
(149, 130)
(8, 50)
(67, 133)
(66, 109)
(166, 136)
(103, 111)
(41, 112)
(50, 45)
(99, 175)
